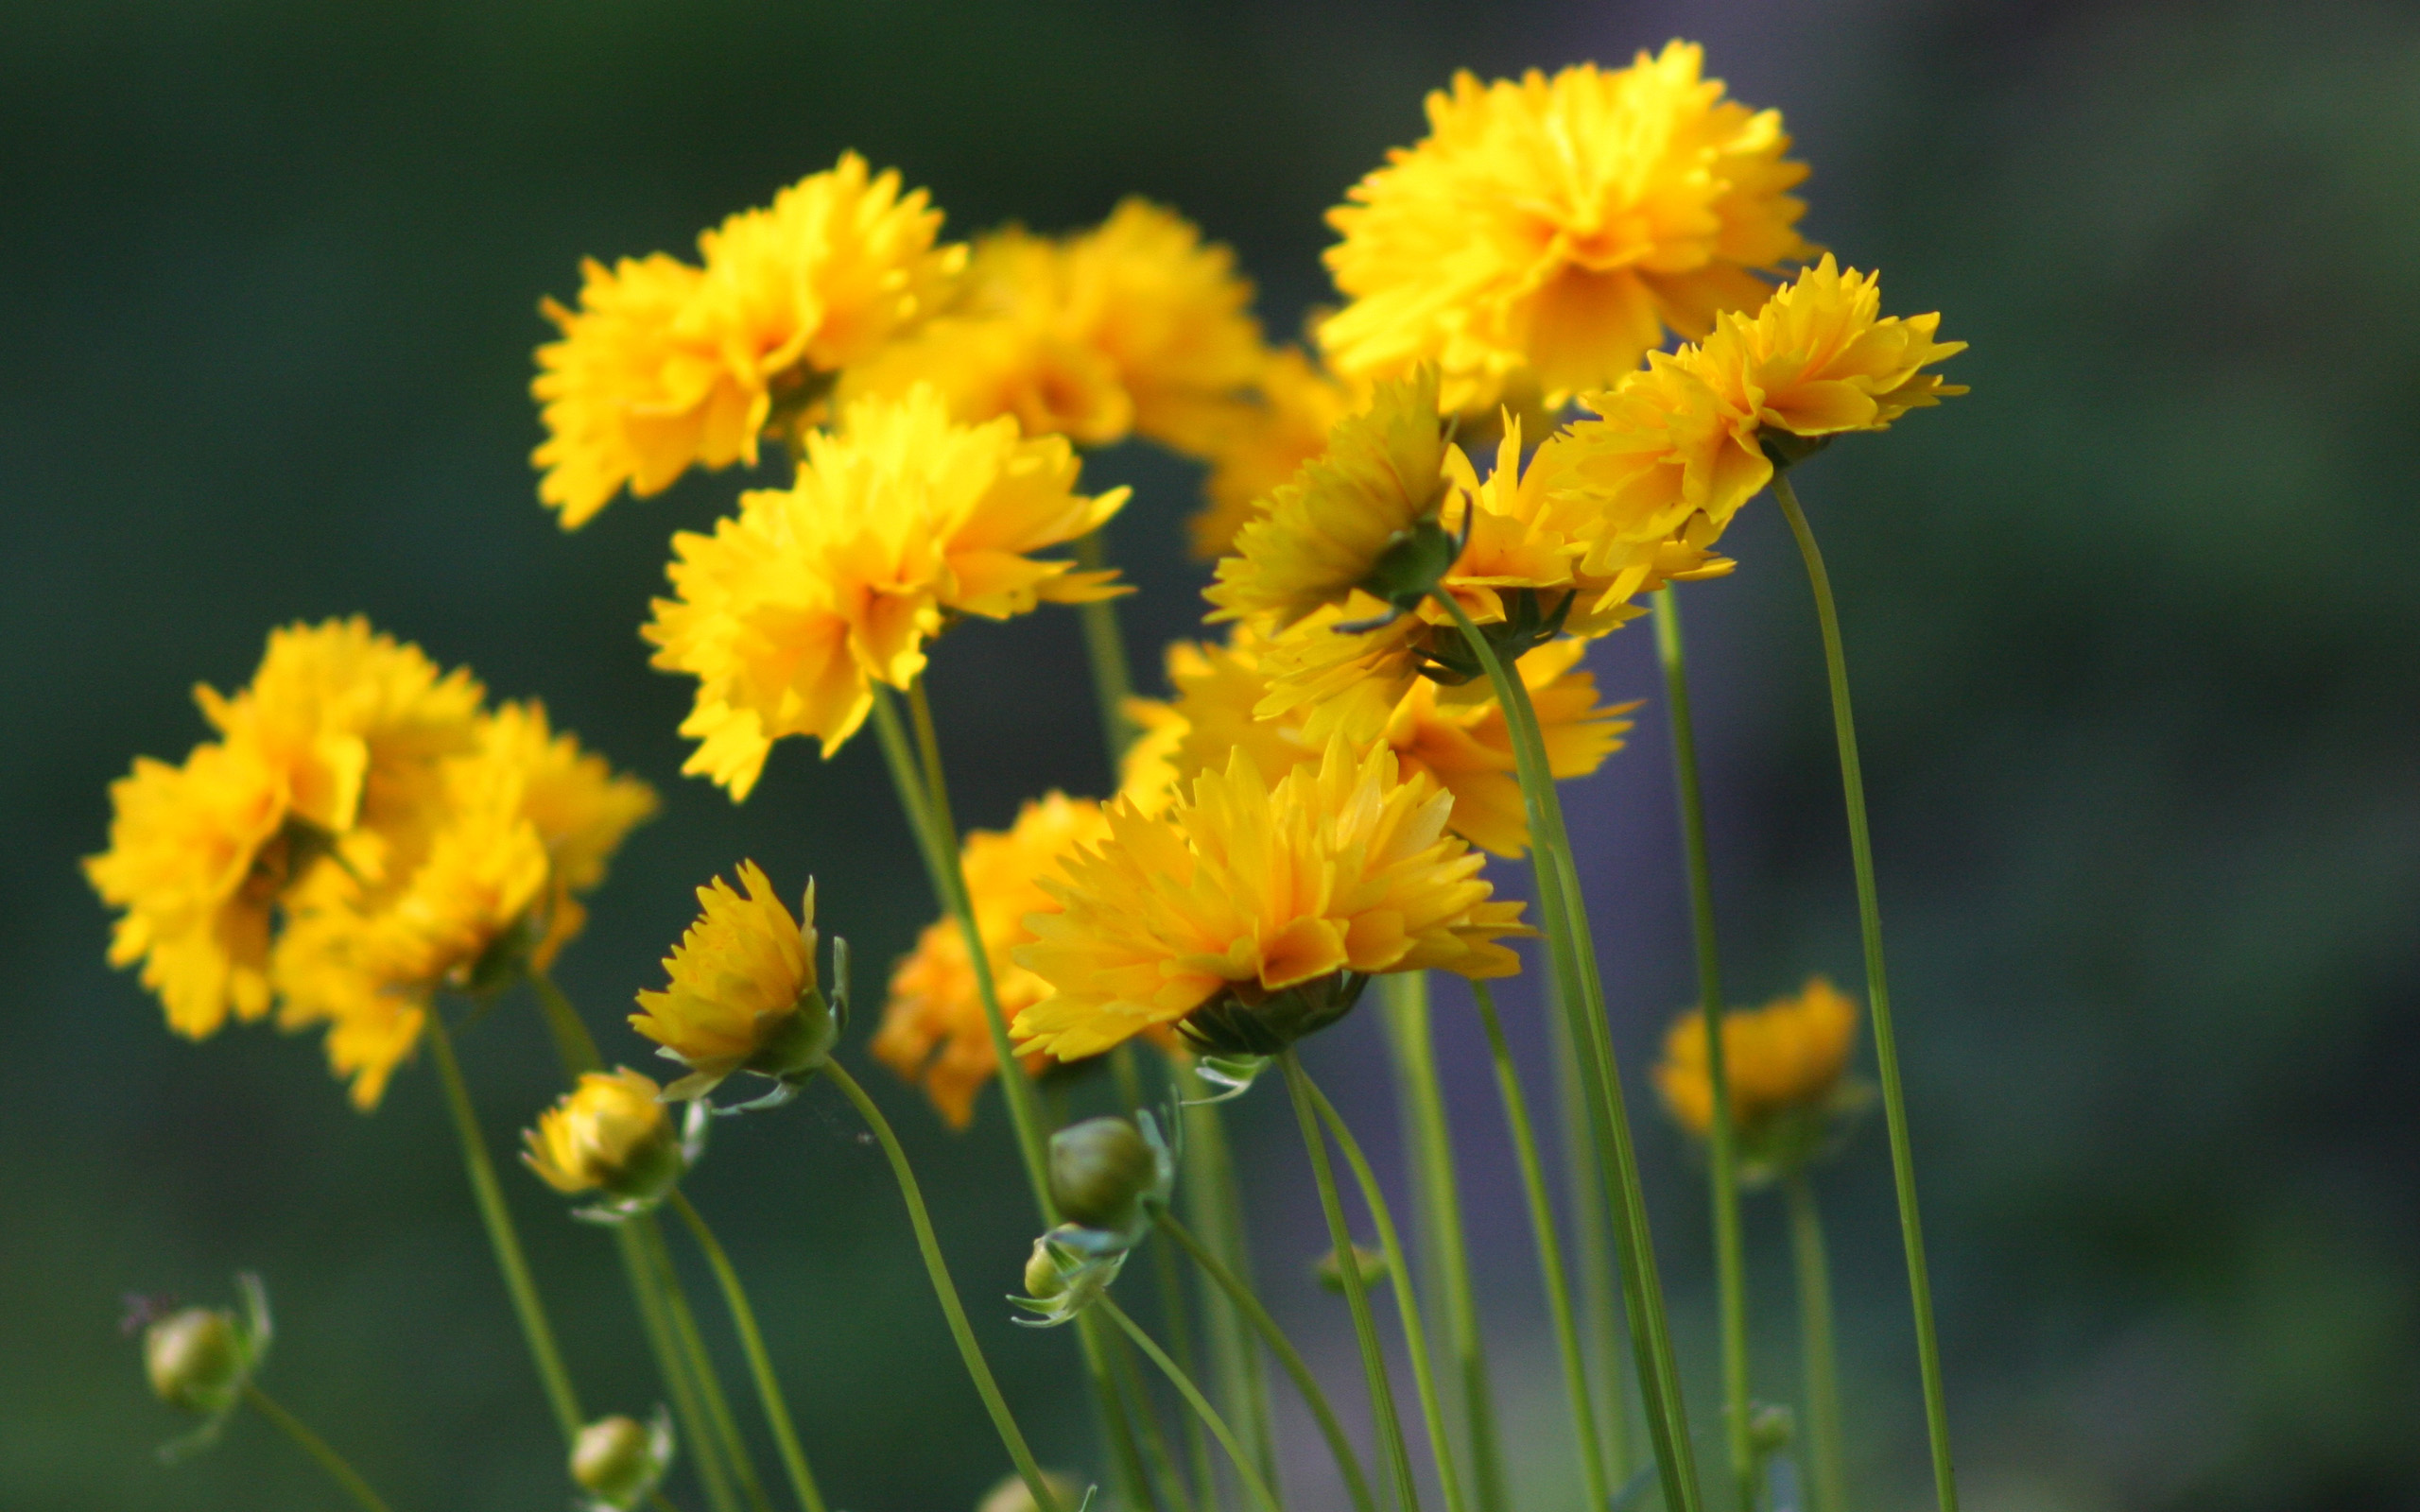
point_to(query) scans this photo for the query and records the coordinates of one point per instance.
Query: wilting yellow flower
(1133, 326)
(664, 365)
(1456, 735)
(1339, 522)
(1787, 1055)
(1561, 226)
(934, 1030)
(1690, 435)
(610, 1133)
(1264, 443)
(742, 994)
(1260, 905)
(788, 613)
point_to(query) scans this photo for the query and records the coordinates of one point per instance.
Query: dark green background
(2134, 626)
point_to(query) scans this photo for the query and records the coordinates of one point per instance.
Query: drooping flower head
(1785, 1057)
(934, 1031)
(742, 994)
(1251, 913)
(793, 610)
(1559, 226)
(664, 366)
(1134, 326)
(1693, 436)
(608, 1134)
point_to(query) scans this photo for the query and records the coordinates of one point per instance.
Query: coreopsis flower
(1686, 441)
(664, 366)
(581, 808)
(1131, 327)
(1558, 226)
(608, 1134)
(901, 520)
(742, 994)
(1249, 913)
(934, 1030)
(1457, 735)
(1295, 404)
(1786, 1065)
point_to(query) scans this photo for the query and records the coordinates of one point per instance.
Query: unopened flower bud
(611, 1133)
(1369, 1264)
(1013, 1495)
(1042, 1280)
(195, 1359)
(1100, 1171)
(619, 1460)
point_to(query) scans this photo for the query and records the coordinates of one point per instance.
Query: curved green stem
(1105, 648)
(1730, 1255)
(1167, 1483)
(751, 1343)
(1365, 1328)
(313, 1445)
(1215, 1203)
(1415, 1335)
(1348, 1463)
(501, 1234)
(1245, 1471)
(1168, 1278)
(725, 1423)
(945, 1291)
(1601, 1287)
(1574, 952)
(1550, 1269)
(1429, 1141)
(1878, 991)
(1819, 1360)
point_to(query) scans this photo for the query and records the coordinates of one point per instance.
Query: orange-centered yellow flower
(791, 611)
(934, 1030)
(1131, 327)
(1241, 894)
(742, 994)
(1692, 435)
(1789, 1054)
(1558, 226)
(663, 365)
(609, 1134)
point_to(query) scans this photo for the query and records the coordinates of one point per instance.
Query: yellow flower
(1133, 326)
(742, 994)
(610, 1133)
(1264, 443)
(579, 807)
(1252, 915)
(933, 1028)
(1787, 1055)
(788, 613)
(1692, 435)
(1346, 518)
(1561, 226)
(664, 365)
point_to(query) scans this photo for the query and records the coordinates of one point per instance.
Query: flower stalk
(1262, 1497)
(319, 1448)
(1819, 1360)
(1105, 652)
(760, 1363)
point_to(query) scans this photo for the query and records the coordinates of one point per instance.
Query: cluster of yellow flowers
(363, 832)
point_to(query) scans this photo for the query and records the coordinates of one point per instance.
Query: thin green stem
(1407, 1295)
(928, 746)
(1215, 1203)
(1348, 1463)
(501, 1234)
(1550, 1267)
(914, 781)
(1818, 1358)
(576, 1049)
(945, 1291)
(1105, 648)
(1600, 1288)
(1730, 1251)
(1878, 991)
(702, 1364)
(1365, 1328)
(1167, 1481)
(1574, 954)
(1245, 1471)
(1168, 1278)
(751, 1343)
(313, 1445)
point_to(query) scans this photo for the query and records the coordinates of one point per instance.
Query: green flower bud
(619, 1460)
(1013, 1495)
(195, 1359)
(1100, 1170)
(1370, 1263)
(1043, 1281)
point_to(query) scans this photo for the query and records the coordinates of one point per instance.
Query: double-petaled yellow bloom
(902, 519)
(609, 1134)
(1556, 228)
(1785, 1057)
(1681, 445)
(934, 1030)
(1133, 327)
(1292, 406)
(742, 994)
(664, 365)
(1251, 913)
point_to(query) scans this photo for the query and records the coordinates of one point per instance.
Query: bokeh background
(2134, 626)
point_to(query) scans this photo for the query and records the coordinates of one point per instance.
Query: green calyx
(1529, 622)
(1245, 1020)
(1413, 563)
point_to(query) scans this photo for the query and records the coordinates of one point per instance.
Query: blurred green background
(2135, 630)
